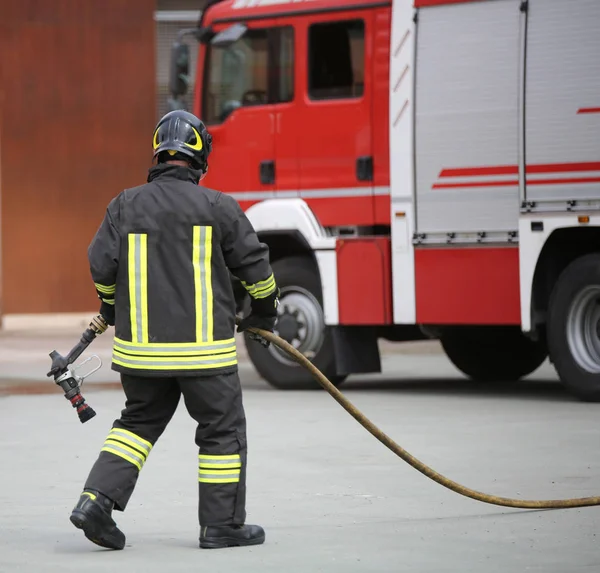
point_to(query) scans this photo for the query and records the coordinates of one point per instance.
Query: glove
(258, 321)
(108, 313)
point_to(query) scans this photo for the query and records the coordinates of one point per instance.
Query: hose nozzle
(84, 411)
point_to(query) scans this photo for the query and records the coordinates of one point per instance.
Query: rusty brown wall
(77, 93)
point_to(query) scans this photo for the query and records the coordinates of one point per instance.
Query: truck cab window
(336, 60)
(238, 76)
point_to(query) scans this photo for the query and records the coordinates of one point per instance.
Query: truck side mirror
(179, 70)
(228, 36)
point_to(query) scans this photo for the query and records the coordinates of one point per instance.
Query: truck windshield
(236, 76)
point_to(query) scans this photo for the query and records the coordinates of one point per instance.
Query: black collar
(163, 170)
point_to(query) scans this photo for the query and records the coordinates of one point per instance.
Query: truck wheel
(494, 353)
(574, 327)
(301, 323)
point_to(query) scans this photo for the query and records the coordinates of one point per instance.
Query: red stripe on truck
(475, 184)
(480, 171)
(564, 181)
(424, 3)
(589, 110)
(514, 169)
(563, 167)
(502, 170)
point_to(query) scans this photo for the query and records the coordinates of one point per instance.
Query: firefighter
(161, 263)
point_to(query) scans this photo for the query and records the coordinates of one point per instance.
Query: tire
(494, 353)
(573, 327)
(300, 286)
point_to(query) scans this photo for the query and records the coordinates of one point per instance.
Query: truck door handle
(267, 172)
(364, 168)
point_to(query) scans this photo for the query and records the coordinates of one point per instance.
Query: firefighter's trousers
(215, 402)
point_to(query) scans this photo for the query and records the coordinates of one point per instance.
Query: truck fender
(289, 215)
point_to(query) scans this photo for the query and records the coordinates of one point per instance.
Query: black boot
(93, 514)
(217, 537)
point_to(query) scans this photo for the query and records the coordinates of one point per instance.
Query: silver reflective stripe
(204, 462)
(203, 294)
(138, 285)
(219, 476)
(124, 452)
(118, 434)
(229, 346)
(171, 363)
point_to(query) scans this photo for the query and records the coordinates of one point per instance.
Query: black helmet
(180, 132)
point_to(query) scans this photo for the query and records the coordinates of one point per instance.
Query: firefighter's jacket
(162, 256)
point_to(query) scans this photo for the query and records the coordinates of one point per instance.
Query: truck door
(238, 100)
(333, 116)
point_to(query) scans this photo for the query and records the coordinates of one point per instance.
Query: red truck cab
(298, 105)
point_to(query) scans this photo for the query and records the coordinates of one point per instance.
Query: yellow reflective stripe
(172, 353)
(219, 457)
(138, 286)
(261, 289)
(191, 345)
(90, 495)
(233, 475)
(266, 287)
(202, 263)
(142, 449)
(144, 285)
(141, 456)
(197, 282)
(213, 466)
(265, 293)
(208, 280)
(212, 477)
(259, 284)
(105, 289)
(219, 464)
(134, 436)
(132, 288)
(108, 300)
(173, 367)
(122, 455)
(201, 359)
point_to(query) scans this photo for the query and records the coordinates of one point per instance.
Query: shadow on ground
(526, 389)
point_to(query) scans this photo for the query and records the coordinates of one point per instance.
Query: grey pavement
(330, 497)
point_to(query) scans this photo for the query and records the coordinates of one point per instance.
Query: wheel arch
(561, 248)
(286, 243)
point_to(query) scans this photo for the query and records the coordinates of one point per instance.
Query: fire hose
(406, 456)
(61, 372)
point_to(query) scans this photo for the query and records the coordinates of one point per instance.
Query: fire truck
(419, 169)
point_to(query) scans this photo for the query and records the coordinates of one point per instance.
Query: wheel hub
(300, 322)
(583, 328)
(288, 327)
